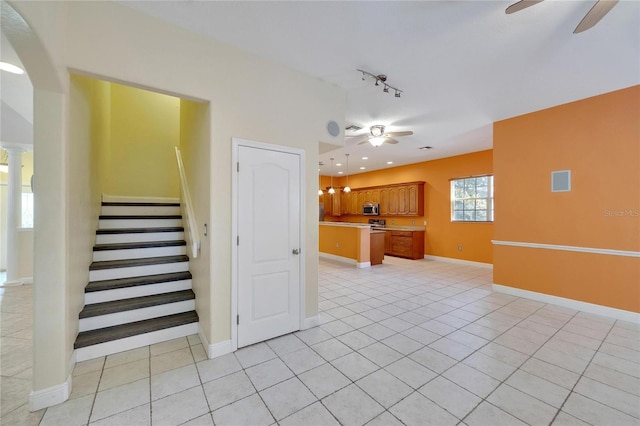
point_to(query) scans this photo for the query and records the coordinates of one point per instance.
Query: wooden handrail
(186, 207)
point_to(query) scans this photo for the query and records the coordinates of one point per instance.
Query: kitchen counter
(346, 224)
(400, 228)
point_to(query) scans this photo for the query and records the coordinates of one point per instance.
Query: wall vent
(561, 181)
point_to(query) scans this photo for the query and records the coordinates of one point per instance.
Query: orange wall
(442, 237)
(598, 139)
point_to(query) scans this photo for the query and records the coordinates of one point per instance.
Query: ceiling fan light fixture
(377, 131)
(376, 141)
(13, 69)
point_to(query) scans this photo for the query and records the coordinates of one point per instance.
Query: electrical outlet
(393, 221)
(459, 248)
(425, 223)
(413, 222)
(337, 245)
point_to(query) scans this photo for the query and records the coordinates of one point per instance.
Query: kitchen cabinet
(376, 254)
(407, 244)
(403, 199)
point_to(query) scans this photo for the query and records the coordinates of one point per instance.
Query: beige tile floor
(406, 342)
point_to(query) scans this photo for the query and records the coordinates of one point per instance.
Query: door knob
(295, 251)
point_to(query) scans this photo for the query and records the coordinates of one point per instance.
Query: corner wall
(598, 139)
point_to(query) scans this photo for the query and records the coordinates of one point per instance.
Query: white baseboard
(13, 283)
(459, 261)
(135, 199)
(27, 280)
(363, 265)
(338, 258)
(51, 396)
(570, 303)
(310, 322)
(214, 350)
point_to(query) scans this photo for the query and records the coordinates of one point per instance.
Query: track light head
(386, 89)
(397, 94)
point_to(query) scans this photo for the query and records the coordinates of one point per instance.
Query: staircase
(139, 290)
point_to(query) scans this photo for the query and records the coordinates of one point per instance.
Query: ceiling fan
(597, 12)
(378, 136)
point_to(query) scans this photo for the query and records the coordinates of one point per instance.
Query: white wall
(249, 98)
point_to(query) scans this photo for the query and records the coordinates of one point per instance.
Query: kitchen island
(347, 242)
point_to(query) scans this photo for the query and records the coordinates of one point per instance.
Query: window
(472, 199)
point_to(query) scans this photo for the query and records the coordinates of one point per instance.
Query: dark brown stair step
(138, 230)
(115, 306)
(125, 204)
(137, 216)
(129, 246)
(128, 263)
(107, 334)
(136, 281)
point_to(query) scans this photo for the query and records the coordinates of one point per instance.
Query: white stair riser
(141, 237)
(137, 271)
(140, 253)
(140, 210)
(134, 315)
(136, 291)
(138, 223)
(120, 345)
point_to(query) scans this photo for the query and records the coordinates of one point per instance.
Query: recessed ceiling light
(365, 158)
(426, 147)
(11, 68)
(338, 164)
(362, 168)
(389, 162)
(340, 173)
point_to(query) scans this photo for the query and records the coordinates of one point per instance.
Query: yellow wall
(598, 140)
(145, 127)
(442, 237)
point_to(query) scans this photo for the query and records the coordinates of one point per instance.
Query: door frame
(236, 143)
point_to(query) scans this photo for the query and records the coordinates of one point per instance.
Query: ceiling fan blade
(597, 12)
(390, 140)
(396, 134)
(522, 4)
(364, 141)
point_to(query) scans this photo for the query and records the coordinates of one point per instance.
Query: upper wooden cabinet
(403, 199)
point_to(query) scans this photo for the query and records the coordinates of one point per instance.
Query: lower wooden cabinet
(408, 244)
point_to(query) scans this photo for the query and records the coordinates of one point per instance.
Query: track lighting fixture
(380, 78)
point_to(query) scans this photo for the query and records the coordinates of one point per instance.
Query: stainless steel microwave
(371, 209)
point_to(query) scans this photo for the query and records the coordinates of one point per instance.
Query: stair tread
(115, 306)
(136, 281)
(136, 204)
(138, 245)
(139, 230)
(127, 263)
(107, 334)
(139, 216)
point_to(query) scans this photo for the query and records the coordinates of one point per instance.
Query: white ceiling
(462, 64)
(16, 100)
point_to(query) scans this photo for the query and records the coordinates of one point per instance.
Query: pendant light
(319, 180)
(346, 188)
(331, 190)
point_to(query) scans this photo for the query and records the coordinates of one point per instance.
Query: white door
(269, 217)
